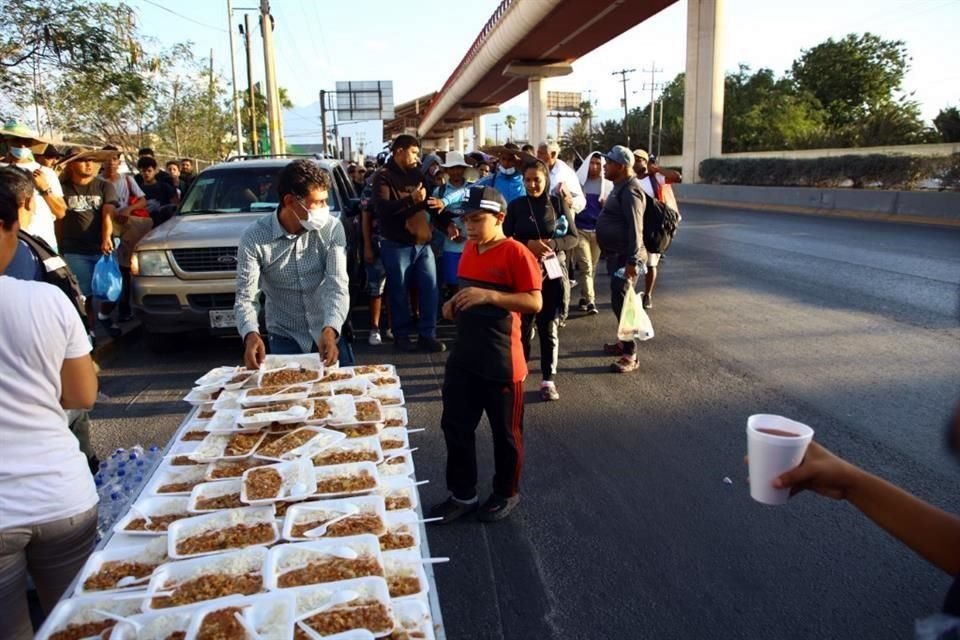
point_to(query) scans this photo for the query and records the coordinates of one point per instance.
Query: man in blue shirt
(508, 178)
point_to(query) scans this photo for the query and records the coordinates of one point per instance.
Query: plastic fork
(249, 628)
(129, 581)
(338, 598)
(352, 510)
(113, 616)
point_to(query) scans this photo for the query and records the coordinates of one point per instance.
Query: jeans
(82, 265)
(618, 291)
(411, 264)
(282, 345)
(52, 553)
(548, 324)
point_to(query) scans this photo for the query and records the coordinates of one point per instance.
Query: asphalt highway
(636, 520)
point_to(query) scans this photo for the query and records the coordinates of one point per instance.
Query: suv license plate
(223, 319)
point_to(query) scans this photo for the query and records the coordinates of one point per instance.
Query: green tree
(511, 122)
(947, 124)
(852, 76)
(260, 100)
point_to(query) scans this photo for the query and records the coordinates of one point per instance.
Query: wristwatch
(44, 192)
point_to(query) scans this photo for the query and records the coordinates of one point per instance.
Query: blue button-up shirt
(302, 275)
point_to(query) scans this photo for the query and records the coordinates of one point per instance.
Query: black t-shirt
(159, 192)
(83, 223)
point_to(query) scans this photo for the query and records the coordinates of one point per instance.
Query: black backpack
(56, 272)
(660, 224)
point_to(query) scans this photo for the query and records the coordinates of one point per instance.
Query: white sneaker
(375, 340)
(388, 335)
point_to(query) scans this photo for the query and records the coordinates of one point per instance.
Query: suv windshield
(238, 190)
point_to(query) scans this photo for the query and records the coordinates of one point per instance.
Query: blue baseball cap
(620, 154)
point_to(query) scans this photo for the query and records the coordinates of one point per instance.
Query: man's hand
(471, 297)
(40, 180)
(368, 256)
(630, 271)
(122, 215)
(448, 311)
(538, 248)
(453, 232)
(436, 204)
(106, 247)
(821, 472)
(329, 352)
(254, 351)
(419, 195)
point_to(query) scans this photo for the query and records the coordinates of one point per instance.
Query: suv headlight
(150, 263)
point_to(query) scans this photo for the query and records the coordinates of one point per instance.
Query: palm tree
(511, 122)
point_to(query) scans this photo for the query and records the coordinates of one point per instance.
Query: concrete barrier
(911, 207)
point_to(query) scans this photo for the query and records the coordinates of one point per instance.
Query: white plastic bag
(634, 322)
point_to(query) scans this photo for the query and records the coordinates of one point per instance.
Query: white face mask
(316, 218)
(22, 153)
(507, 172)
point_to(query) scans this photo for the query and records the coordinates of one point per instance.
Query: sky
(320, 42)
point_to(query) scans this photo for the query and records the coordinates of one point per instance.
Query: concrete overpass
(527, 41)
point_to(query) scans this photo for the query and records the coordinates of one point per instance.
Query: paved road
(626, 527)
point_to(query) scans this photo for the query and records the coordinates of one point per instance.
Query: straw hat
(76, 154)
(16, 129)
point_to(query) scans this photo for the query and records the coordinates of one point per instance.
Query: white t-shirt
(41, 225)
(43, 474)
(124, 185)
(562, 173)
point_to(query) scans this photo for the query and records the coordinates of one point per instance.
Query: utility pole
(254, 140)
(623, 78)
(660, 131)
(496, 132)
(323, 122)
(653, 71)
(590, 119)
(233, 77)
(270, 69)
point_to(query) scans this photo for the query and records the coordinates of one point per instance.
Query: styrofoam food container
(198, 525)
(341, 407)
(227, 401)
(283, 394)
(394, 433)
(215, 375)
(413, 614)
(234, 386)
(405, 519)
(213, 448)
(308, 511)
(321, 439)
(296, 413)
(395, 413)
(196, 422)
(226, 422)
(156, 625)
(142, 550)
(263, 378)
(396, 462)
(79, 610)
(294, 555)
(339, 470)
(208, 476)
(165, 475)
(371, 588)
(202, 395)
(366, 370)
(181, 449)
(151, 506)
(400, 486)
(371, 445)
(406, 562)
(389, 397)
(384, 381)
(271, 614)
(293, 473)
(356, 419)
(349, 387)
(239, 562)
(212, 490)
(304, 360)
(336, 374)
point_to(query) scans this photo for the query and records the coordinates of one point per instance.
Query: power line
(187, 18)
(623, 78)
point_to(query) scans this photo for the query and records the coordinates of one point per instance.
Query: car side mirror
(353, 207)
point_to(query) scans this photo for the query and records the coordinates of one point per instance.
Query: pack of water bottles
(119, 480)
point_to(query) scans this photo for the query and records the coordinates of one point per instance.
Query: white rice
(225, 520)
(86, 613)
(247, 561)
(161, 627)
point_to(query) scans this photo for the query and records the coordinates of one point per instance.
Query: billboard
(364, 100)
(564, 100)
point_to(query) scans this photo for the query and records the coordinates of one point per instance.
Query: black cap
(484, 200)
(51, 152)
(145, 151)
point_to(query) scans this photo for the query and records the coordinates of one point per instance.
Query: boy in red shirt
(499, 280)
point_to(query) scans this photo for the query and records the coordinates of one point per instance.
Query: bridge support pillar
(479, 132)
(703, 86)
(458, 139)
(444, 144)
(536, 74)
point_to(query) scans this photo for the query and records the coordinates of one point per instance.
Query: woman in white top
(48, 503)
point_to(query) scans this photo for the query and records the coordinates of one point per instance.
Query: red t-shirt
(488, 337)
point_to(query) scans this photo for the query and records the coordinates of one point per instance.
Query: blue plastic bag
(107, 281)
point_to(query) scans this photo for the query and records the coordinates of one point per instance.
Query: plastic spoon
(338, 598)
(414, 430)
(249, 628)
(434, 560)
(113, 616)
(422, 482)
(129, 581)
(137, 594)
(400, 454)
(344, 552)
(352, 510)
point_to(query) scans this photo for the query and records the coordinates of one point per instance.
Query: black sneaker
(112, 328)
(497, 507)
(405, 344)
(583, 304)
(431, 344)
(452, 509)
(592, 309)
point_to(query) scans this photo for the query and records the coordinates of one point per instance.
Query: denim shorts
(82, 265)
(376, 278)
